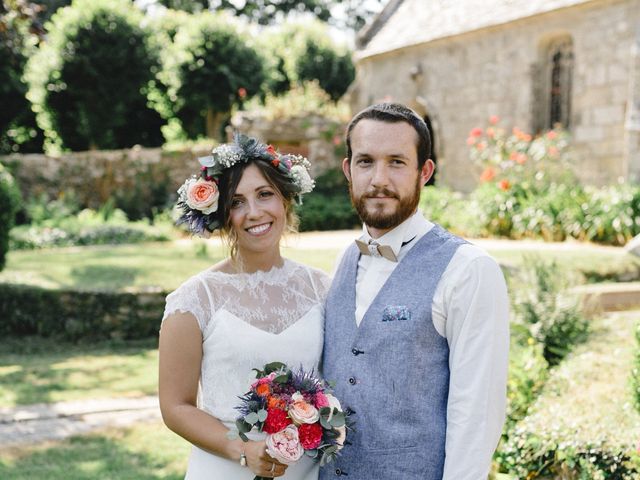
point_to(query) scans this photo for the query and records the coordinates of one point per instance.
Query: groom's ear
(346, 169)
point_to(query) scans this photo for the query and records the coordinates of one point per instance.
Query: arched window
(558, 73)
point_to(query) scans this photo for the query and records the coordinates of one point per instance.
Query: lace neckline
(274, 276)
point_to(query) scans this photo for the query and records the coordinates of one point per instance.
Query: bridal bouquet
(296, 411)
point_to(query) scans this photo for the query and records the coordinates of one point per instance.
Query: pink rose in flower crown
(301, 411)
(202, 195)
(285, 446)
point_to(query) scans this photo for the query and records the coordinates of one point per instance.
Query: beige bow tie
(376, 250)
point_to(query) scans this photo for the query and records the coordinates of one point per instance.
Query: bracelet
(243, 460)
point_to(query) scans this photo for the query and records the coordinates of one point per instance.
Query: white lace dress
(248, 320)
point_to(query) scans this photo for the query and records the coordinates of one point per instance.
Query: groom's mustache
(381, 192)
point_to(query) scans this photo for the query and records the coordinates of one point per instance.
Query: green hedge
(9, 203)
(581, 426)
(74, 315)
(635, 373)
(328, 207)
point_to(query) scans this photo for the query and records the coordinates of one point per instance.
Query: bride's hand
(261, 463)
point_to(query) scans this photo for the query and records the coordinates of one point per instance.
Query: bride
(250, 309)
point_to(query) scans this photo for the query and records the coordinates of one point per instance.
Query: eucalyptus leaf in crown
(198, 196)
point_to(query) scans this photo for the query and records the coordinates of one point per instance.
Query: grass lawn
(166, 265)
(35, 370)
(144, 452)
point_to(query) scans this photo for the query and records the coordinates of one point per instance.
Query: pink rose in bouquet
(285, 446)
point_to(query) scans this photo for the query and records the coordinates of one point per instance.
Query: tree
(263, 12)
(211, 67)
(333, 70)
(19, 32)
(89, 82)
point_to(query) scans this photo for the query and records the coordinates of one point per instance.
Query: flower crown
(198, 196)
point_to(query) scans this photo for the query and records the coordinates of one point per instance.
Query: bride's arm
(180, 362)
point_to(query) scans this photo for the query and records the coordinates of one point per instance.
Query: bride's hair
(229, 181)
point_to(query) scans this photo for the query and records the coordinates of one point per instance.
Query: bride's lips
(258, 230)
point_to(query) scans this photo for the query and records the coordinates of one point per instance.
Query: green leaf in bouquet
(338, 419)
(243, 437)
(311, 453)
(252, 418)
(326, 424)
(259, 373)
(274, 367)
(328, 455)
(262, 415)
(325, 411)
(284, 378)
(243, 427)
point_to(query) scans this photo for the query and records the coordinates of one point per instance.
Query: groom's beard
(377, 217)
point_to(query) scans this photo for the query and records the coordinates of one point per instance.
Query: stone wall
(462, 80)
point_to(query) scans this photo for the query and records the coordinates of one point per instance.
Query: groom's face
(384, 179)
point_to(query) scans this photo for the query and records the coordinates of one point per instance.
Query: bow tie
(376, 250)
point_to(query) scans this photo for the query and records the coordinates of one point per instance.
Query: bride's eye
(266, 194)
(236, 202)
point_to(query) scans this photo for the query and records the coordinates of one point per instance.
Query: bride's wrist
(235, 449)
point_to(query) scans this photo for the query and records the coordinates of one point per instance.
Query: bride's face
(257, 213)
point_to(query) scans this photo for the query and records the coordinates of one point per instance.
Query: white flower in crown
(302, 178)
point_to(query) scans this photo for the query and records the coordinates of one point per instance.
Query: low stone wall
(74, 315)
(136, 179)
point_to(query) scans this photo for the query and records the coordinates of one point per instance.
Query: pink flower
(285, 446)
(302, 412)
(242, 92)
(493, 119)
(202, 195)
(321, 400)
(504, 185)
(551, 135)
(488, 174)
(475, 132)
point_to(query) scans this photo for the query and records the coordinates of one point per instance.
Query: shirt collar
(415, 225)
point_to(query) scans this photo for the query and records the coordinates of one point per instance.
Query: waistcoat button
(352, 380)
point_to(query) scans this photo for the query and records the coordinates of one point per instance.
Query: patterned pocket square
(396, 312)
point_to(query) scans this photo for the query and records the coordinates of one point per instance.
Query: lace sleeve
(321, 283)
(191, 297)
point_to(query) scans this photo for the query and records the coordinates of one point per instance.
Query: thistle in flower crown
(198, 196)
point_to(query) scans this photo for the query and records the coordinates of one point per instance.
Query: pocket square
(396, 312)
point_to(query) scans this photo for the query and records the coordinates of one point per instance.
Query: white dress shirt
(471, 310)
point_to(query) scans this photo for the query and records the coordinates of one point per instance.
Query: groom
(416, 333)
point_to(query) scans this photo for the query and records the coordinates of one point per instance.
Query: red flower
(275, 162)
(242, 92)
(475, 132)
(277, 419)
(275, 402)
(263, 389)
(488, 175)
(504, 185)
(272, 151)
(310, 435)
(493, 119)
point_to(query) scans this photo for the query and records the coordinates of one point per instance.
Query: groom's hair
(394, 113)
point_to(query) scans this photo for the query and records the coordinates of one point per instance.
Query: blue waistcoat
(392, 371)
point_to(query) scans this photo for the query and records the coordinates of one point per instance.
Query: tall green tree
(19, 32)
(211, 67)
(89, 81)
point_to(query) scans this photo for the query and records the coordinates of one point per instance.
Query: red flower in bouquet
(277, 420)
(310, 435)
(263, 389)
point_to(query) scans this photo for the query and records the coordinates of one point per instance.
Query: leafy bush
(298, 53)
(581, 426)
(88, 82)
(449, 209)
(328, 207)
(546, 311)
(635, 372)
(60, 228)
(210, 67)
(9, 203)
